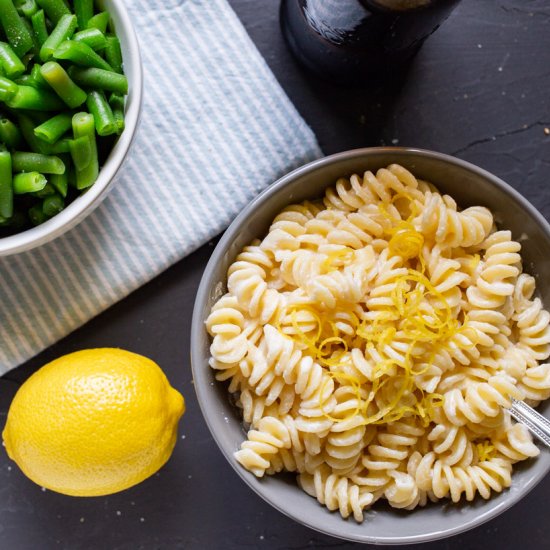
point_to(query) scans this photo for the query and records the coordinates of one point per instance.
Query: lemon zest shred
(418, 315)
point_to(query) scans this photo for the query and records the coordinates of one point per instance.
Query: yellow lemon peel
(418, 316)
(485, 450)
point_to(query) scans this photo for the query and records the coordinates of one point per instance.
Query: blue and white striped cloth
(216, 129)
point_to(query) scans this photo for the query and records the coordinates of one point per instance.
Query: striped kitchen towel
(216, 129)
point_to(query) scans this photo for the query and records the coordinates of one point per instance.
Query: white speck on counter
(479, 46)
(189, 476)
(183, 436)
(141, 520)
(395, 141)
(9, 468)
(262, 537)
(81, 520)
(132, 503)
(118, 513)
(500, 69)
(43, 489)
(547, 131)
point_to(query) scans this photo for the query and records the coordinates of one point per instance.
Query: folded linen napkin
(216, 129)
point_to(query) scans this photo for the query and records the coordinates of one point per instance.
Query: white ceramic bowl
(469, 185)
(83, 205)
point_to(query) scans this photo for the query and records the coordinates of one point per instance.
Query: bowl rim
(197, 326)
(87, 202)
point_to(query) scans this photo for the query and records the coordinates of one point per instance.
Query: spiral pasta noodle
(373, 340)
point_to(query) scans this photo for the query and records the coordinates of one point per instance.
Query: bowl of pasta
(359, 334)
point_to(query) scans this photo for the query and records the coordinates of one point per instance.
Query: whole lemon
(93, 422)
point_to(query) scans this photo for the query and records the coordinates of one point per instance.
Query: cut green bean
(80, 54)
(39, 80)
(28, 182)
(36, 215)
(81, 152)
(62, 32)
(8, 89)
(99, 79)
(104, 119)
(16, 32)
(56, 76)
(83, 126)
(55, 9)
(36, 162)
(10, 62)
(26, 125)
(117, 105)
(91, 37)
(30, 98)
(113, 53)
(55, 128)
(38, 21)
(6, 190)
(61, 146)
(60, 182)
(52, 205)
(27, 8)
(10, 135)
(99, 21)
(84, 10)
(47, 191)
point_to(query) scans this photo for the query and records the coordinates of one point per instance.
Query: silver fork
(537, 424)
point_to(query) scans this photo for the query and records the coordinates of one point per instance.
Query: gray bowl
(469, 185)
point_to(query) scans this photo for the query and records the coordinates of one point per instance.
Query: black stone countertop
(479, 89)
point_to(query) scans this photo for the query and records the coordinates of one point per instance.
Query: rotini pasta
(373, 340)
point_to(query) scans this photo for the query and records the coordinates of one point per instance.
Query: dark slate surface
(479, 89)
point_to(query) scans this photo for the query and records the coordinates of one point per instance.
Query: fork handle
(537, 424)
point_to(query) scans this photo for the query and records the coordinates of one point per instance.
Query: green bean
(117, 105)
(26, 126)
(8, 89)
(80, 54)
(113, 53)
(63, 31)
(28, 182)
(91, 37)
(36, 162)
(12, 65)
(52, 205)
(27, 7)
(104, 119)
(99, 79)
(10, 135)
(83, 126)
(53, 129)
(26, 80)
(36, 215)
(55, 9)
(61, 146)
(56, 76)
(60, 182)
(99, 21)
(6, 190)
(39, 80)
(81, 152)
(30, 98)
(47, 191)
(84, 10)
(38, 21)
(16, 32)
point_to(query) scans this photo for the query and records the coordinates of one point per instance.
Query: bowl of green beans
(70, 100)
